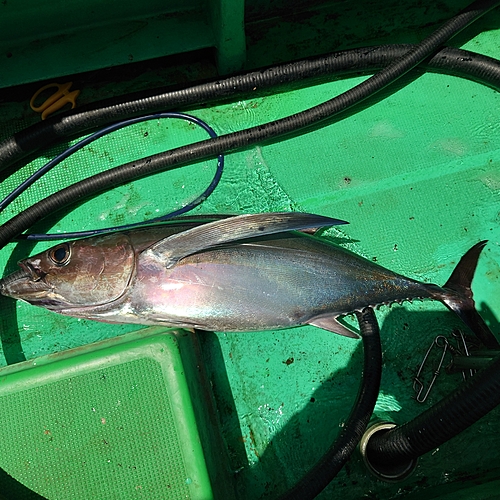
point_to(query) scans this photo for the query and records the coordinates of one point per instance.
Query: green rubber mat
(113, 422)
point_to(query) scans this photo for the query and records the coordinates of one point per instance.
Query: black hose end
(390, 472)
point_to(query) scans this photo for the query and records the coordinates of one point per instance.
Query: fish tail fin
(456, 294)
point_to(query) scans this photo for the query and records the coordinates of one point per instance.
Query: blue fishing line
(96, 135)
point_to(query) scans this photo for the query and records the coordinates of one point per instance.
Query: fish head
(76, 274)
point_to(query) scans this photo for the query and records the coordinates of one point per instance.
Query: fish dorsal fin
(332, 324)
(174, 248)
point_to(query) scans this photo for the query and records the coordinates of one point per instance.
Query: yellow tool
(57, 100)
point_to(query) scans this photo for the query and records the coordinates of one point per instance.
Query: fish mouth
(13, 279)
(25, 284)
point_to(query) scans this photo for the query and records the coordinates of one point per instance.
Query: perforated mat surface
(113, 424)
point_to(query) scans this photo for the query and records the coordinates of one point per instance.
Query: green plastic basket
(110, 420)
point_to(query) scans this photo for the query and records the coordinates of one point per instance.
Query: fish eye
(60, 255)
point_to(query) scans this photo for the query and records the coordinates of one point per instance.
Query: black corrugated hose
(18, 146)
(334, 459)
(452, 415)
(462, 63)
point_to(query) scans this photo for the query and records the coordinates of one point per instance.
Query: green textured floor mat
(113, 422)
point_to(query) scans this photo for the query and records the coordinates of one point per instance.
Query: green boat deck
(415, 171)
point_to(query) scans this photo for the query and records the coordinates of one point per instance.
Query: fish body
(244, 273)
(278, 283)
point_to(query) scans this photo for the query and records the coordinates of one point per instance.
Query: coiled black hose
(334, 459)
(462, 63)
(237, 140)
(438, 424)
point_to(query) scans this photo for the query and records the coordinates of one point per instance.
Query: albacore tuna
(242, 273)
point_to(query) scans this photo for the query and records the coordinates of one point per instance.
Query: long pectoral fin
(332, 324)
(174, 248)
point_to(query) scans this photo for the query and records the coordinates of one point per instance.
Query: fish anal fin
(332, 324)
